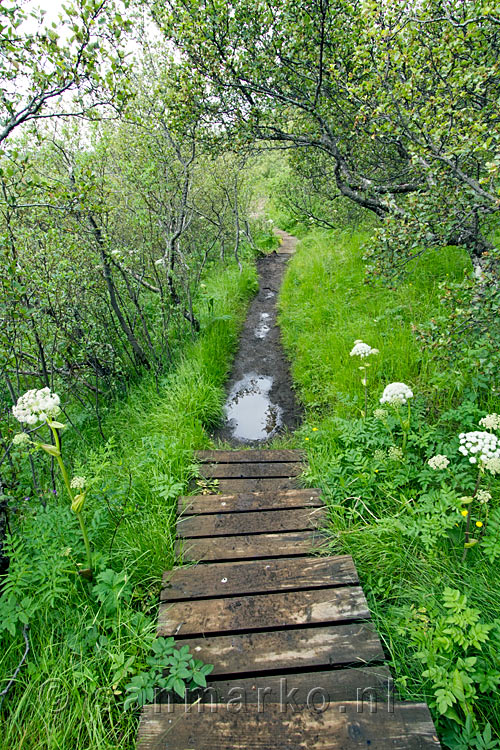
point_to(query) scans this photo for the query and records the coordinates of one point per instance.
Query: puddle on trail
(262, 328)
(250, 413)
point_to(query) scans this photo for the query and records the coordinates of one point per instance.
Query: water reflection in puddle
(250, 413)
(262, 328)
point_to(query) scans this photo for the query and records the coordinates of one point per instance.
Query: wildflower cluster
(483, 496)
(438, 462)
(21, 439)
(37, 406)
(360, 349)
(394, 453)
(78, 483)
(380, 413)
(396, 394)
(482, 446)
(490, 422)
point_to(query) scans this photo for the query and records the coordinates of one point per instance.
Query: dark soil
(261, 402)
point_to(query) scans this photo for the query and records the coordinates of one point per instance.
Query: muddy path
(260, 402)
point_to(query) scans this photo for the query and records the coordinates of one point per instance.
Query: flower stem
(467, 525)
(65, 477)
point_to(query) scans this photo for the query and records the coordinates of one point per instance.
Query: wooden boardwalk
(297, 662)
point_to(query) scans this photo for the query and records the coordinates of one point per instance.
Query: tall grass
(68, 695)
(326, 305)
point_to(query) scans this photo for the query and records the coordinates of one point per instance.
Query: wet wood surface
(276, 610)
(250, 456)
(288, 632)
(249, 501)
(251, 546)
(405, 726)
(230, 524)
(230, 578)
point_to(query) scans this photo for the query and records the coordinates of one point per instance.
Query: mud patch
(261, 402)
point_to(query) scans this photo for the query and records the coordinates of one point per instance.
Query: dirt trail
(261, 402)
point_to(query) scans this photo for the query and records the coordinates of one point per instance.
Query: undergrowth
(87, 641)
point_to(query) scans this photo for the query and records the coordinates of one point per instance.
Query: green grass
(326, 306)
(68, 694)
(373, 502)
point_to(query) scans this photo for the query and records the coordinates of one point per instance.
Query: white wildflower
(360, 349)
(483, 496)
(380, 413)
(438, 462)
(491, 422)
(78, 483)
(21, 438)
(396, 394)
(394, 453)
(37, 406)
(379, 455)
(479, 446)
(492, 465)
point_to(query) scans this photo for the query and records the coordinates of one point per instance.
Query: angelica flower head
(483, 496)
(78, 483)
(396, 394)
(394, 453)
(21, 438)
(380, 413)
(37, 406)
(438, 462)
(492, 465)
(490, 422)
(479, 447)
(360, 349)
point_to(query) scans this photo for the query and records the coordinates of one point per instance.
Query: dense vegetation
(139, 143)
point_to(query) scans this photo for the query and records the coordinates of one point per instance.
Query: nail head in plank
(248, 456)
(406, 726)
(249, 501)
(354, 643)
(277, 610)
(258, 576)
(251, 546)
(231, 524)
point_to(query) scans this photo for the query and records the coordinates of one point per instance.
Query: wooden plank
(277, 610)
(255, 485)
(355, 643)
(193, 504)
(249, 456)
(250, 471)
(398, 726)
(360, 683)
(231, 524)
(251, 546)
(258, 576)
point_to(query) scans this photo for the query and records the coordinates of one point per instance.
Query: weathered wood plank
(249, 456)
(251, 546)
(251, 471)
(255, 485)
(365, 684)
(231, 524)
(399, 726)
(194, 504)
(262, 611)
(258, 576)
(355, 643)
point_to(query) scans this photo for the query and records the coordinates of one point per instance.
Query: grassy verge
(87, 641)
(403, 522)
